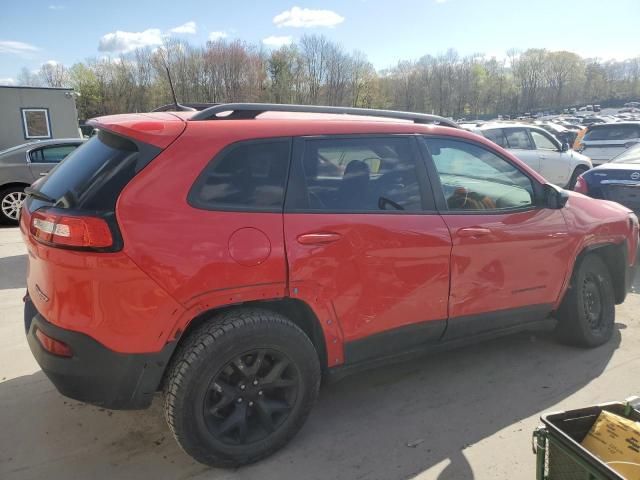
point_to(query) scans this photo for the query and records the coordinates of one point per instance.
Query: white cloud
(18, 48)
(277, 41)
(306, 17)
(442, 1)
(51, 63)
(189, 27)
(124, 42)
(57, 7)
(214, 36)
(7, 81)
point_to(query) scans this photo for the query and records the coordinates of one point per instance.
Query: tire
(8, 203)
(214, 370)
(587, 314)
(574, 177)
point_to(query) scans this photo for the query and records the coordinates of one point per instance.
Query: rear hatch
(69, 218)
(603, 142)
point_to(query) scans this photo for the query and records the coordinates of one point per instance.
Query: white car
(540, 150)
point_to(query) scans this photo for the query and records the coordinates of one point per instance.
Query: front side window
(358, 175)
(36, 123)
(245, 176)
(518, 138)
(474, 178)
(51, 154)
(542, 141)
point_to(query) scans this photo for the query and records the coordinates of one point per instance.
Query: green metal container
(557, 443)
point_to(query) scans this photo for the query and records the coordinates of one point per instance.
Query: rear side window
(51, 154)
(245, 176)
(518, 138)
(496, 135)
(612, 132)
(368, 174)
(94, 174)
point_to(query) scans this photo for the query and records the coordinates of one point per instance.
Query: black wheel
(587, 314)
(240, 387)
(574, 177)
(10, 203)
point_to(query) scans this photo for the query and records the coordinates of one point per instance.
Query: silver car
(552, 159)
(22, 165)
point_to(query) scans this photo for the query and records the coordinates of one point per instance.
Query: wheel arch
(614, 256)
(295, 310)
(6, 186)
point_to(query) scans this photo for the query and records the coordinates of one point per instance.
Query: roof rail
(252, 110)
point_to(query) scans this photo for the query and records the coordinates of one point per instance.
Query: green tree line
(316, 70)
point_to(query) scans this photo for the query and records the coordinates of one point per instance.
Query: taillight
(57, 229)
(53, 346)
(581, 186)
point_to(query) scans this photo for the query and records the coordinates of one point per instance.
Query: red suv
(232, 257)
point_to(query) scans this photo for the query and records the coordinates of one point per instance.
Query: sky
(67, 31)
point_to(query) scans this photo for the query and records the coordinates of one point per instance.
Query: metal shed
(36, 113)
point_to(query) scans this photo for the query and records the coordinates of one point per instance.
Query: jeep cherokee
(233, 257)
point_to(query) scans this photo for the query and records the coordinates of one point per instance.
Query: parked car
(562, 133)
(20, 166)
(234, 256)
(592, 120)
(602, 142)
(540, 150)
(597, 108)
(618, 180)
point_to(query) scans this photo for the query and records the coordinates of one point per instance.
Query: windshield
(632, 155)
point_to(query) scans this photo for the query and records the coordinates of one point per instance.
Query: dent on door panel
(384, 271)
(522, 261)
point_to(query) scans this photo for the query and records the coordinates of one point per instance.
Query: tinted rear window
(245, 176)
(612, 132)
(93, 175)
(496, 135)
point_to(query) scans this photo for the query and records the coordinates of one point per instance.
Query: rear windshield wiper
(32, 192)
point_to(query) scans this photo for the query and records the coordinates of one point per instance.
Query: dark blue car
(618, 180)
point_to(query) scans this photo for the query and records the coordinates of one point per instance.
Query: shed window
(36, 123)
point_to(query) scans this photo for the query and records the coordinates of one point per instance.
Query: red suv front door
(364, 242)
(509, 256)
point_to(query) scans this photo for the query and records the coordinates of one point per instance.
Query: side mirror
(565, 147)
(555, 197)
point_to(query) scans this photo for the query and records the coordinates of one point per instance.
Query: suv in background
(234, 256)
(602, 142)
(539, 150)
(20, 166)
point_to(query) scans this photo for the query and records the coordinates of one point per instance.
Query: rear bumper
(96, 374)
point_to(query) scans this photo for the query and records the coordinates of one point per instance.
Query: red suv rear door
(510, 257)
(365, 244)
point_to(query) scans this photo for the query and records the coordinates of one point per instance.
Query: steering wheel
(384, 201)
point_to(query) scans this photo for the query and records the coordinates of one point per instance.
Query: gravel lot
(459, 415)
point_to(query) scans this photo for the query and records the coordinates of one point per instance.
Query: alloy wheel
(12, 203)
(251, 397)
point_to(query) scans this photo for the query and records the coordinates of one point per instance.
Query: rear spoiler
(159, 129)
